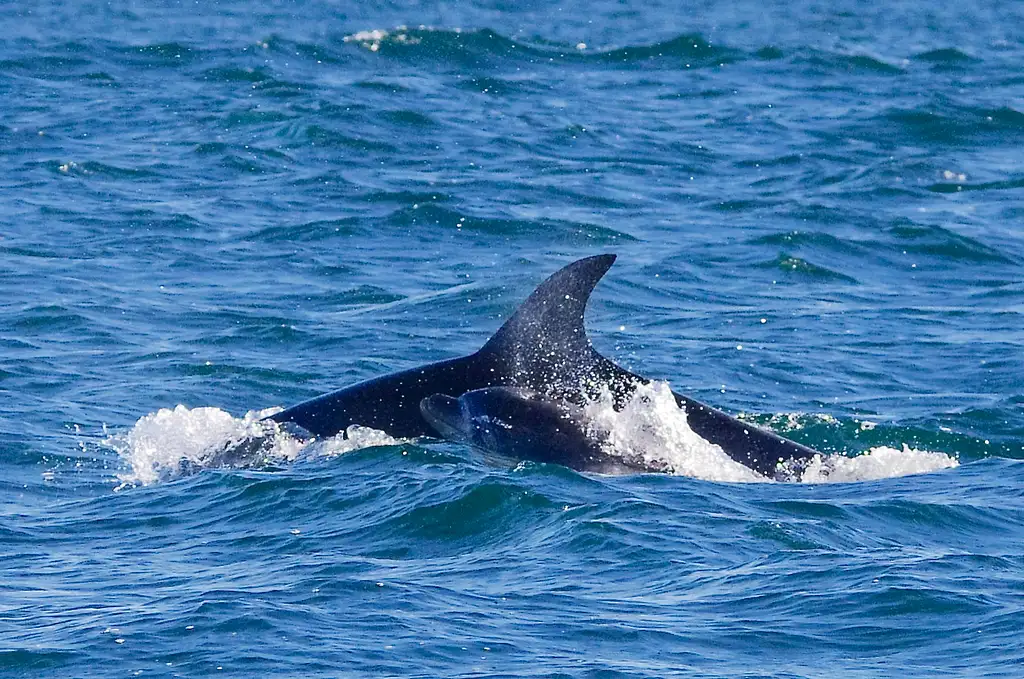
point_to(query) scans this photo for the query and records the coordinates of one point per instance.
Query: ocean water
(211, 210)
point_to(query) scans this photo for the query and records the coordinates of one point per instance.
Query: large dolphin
(544, 348)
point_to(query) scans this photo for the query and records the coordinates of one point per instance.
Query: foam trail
(652, 427)
(174, 442)
(878, 463)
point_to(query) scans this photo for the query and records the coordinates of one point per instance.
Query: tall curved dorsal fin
(544, 344)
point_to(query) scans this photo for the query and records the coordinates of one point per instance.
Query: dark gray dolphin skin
(519, 424)
(543, 347)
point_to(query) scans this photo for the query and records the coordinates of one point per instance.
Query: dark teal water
(818, 213)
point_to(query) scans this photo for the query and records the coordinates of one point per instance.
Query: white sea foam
(171, 442)
(356, 437)
(878, 463)
(372, 40)
(652, 427)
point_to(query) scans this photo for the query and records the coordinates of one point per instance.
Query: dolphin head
(445, 414)
(496, 419)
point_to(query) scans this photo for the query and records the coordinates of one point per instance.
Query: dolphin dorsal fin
(545, 337)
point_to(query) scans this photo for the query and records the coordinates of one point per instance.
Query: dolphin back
(542, 346)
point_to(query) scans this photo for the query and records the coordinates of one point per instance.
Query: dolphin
(520, 424)
(542, 347)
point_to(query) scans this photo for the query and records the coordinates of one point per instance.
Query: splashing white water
(372, 40)
(881, 462)
(652, 427)
(171, 442)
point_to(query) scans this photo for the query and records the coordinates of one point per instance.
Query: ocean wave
(952, 123)
(306, 232)
(938, 241)
(962, 185)
(946, 58)
(688, 50)
(813, 239)
(473, 49)
(833, 62)
(422, 215)
(328, 137)
(159, 54)
(480, 510)
(799, 266)
(480, 47)
(95, 169)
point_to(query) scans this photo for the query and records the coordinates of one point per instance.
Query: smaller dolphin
(521, 424)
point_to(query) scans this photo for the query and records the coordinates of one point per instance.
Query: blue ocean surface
(212, 210)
